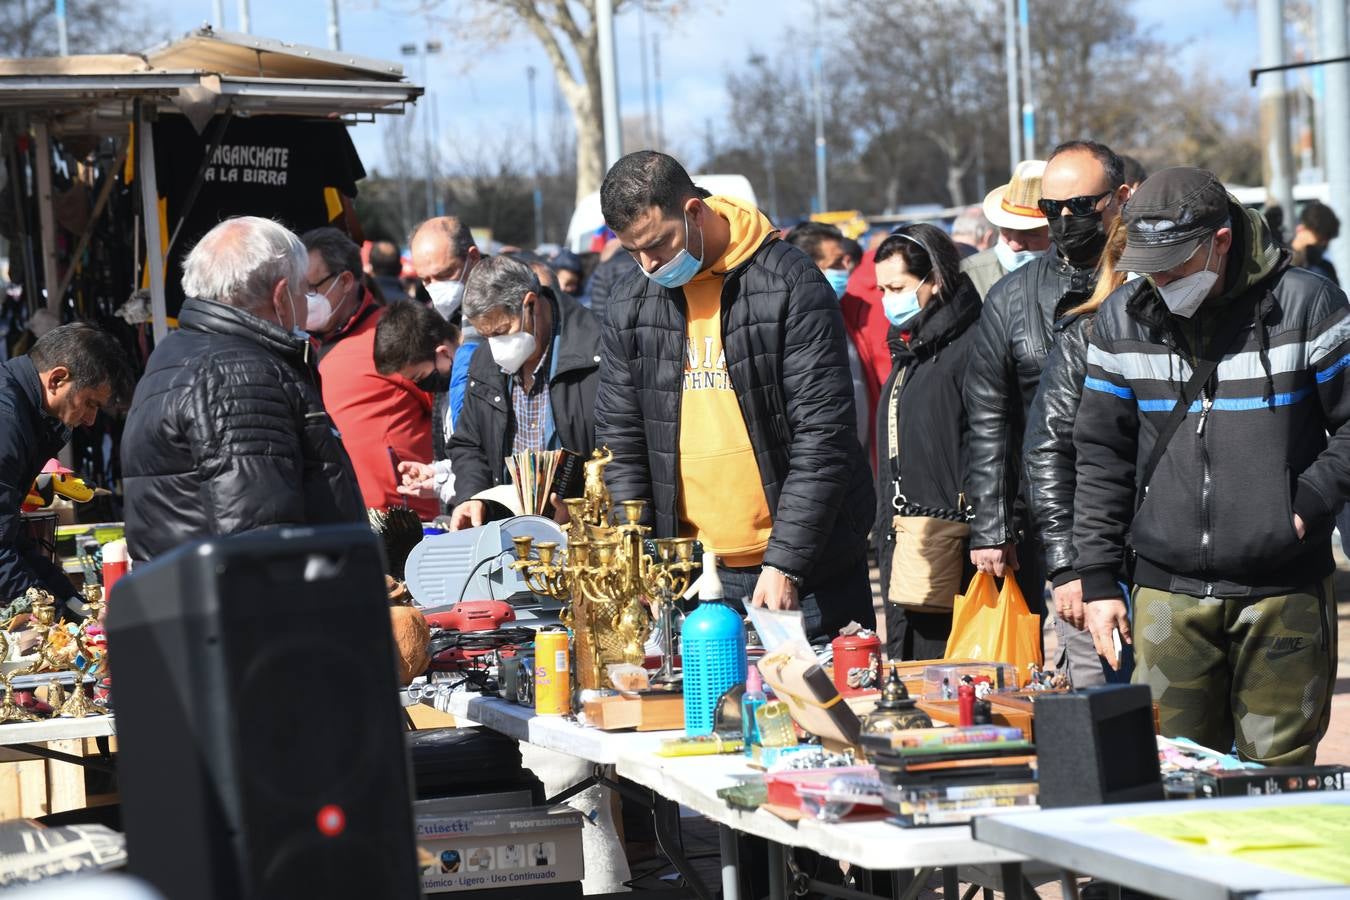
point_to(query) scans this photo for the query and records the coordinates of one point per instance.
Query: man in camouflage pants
(1230, 513)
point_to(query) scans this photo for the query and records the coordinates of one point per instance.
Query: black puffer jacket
(1048, 450)
(486, 429)
(784, 342)
(1015, 336)
(931, 419)
(227, 433)
(28, 438)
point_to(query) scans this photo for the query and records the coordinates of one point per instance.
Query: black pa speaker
(260, 737)
(1097, 745)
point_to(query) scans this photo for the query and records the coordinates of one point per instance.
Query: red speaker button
(332, 821)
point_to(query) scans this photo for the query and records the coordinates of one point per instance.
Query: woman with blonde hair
(1050, 459)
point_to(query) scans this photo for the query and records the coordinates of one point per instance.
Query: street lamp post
(422, 51)
(534, 163)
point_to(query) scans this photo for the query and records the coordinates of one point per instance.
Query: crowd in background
(1126, 392)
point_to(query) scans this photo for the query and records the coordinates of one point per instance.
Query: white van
(587, 220)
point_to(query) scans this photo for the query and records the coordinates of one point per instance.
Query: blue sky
(480, 90)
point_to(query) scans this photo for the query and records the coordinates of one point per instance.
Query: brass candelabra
(45, 657)
(606, 573)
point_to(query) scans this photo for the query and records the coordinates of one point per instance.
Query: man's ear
(1223, 240)
(282, 307)
(55, 377)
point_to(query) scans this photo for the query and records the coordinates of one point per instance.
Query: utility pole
(609, 84)
(642, 63)
(534, 164)
(1028, 96)
(334, 30)
(1014, 112)
(1333, 41)
(1276, 153)
(245, 20)
(822, 185)
(62, 36)
(656, 80)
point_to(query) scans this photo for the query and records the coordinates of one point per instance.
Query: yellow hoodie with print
(722, 500)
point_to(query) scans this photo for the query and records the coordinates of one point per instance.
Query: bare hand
(419, 479)
(469, 514)
(1069, 603)
(1103, 617)
(1300, 528)
(560, 513)
(774, 590)
(995, 560)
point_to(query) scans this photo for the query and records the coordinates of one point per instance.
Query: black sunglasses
(1078, 206)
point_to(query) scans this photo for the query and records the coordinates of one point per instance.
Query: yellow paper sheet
(1303, 840)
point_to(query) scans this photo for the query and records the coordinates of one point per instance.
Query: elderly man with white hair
(227, 430)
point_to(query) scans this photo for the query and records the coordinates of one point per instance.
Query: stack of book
(947, 776)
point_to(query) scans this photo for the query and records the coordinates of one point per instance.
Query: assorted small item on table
(39, 651)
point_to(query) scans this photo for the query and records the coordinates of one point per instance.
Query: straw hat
(1013, 205)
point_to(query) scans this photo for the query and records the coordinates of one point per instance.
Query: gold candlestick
(606, 575)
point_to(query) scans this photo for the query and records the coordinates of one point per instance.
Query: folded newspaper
(32, 852)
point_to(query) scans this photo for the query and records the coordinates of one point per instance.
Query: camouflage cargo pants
(1258, 672)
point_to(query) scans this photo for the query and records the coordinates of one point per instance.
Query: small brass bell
(896, 710)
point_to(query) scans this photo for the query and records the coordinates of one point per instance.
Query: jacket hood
(26, 376)
(749, 229)
(579, 333)
(1255, 255)
(216, 318)
(938, 324)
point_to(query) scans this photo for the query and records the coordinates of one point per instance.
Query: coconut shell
(412, 641)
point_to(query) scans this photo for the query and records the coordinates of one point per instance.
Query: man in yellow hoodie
(726, 400)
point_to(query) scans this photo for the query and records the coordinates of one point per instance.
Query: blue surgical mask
(901, 306)
(838, 279)
(683, 267)
(1011, 260)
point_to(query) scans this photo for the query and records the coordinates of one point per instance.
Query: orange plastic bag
(994, 625)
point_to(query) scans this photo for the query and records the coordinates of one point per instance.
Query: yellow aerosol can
(552, 674)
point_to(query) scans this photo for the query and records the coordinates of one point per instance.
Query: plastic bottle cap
(754, 682)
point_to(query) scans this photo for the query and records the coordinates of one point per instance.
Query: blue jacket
(28, 439)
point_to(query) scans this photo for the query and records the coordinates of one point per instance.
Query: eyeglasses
(1078, 206)
(314, 288)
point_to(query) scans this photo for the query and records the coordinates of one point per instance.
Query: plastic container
(857, 663)
(713, 649)
(942, 682)
(754, 698)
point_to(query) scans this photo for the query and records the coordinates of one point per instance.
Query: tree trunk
(590, 151)
(955, 173)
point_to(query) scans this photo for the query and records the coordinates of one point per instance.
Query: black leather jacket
(227, 433)
(784, 340)
(1048, 451)
(1016, 334)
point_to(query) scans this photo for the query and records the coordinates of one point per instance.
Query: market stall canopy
(203, 73)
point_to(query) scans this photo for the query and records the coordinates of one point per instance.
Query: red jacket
(375, 413)
(867, 327)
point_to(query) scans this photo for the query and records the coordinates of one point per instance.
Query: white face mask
(511, 350)
(318, 310)
(1011, 260)
(1184, 296)
(445, 297)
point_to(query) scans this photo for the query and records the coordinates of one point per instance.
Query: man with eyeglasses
(383, 419)
(1212, 439)
(1082, 188)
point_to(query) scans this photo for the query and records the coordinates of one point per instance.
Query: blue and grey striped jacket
(1265, 440)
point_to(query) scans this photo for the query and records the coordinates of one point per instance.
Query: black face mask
(1080, 239)
(435, 383)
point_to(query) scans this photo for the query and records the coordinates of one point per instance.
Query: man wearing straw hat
(1023, 233)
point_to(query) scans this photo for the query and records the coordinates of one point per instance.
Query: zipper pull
(1205, 405)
